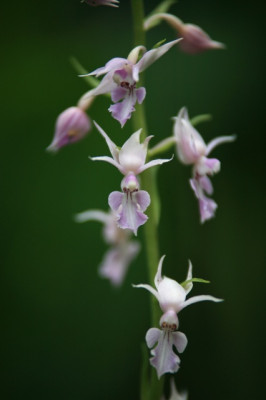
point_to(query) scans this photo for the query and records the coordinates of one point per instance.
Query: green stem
(150, 389)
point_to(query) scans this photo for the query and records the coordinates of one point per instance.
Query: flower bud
(195, 40)
(71, 126)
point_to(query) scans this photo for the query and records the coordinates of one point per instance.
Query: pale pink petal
(195, 40)
(111, 145)
(158, 277)
(164, 359)
(118, 93)
(140, 93)
(109, 160)
(105, 86)
(92, 215)
(116, 262)
(150, 57)
(208, 166)
(152, 336)
(207, 206)
(206, 184)
(180, 341)
(143, 199)
(202, 297)
(219, 140)
(112, 65)
(152, 163)
(133, 154)
(122, 111)
(115, 200)
(149, 288)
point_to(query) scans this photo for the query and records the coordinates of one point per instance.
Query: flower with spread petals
(71, 126)
(192, 150)
(172, 299)
(123, 250)
(95, 3)
(121, 77)
(130, 204)
(195, 40)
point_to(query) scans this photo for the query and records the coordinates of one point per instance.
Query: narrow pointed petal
(149, 288)
(219, 140)
(150, 57)
(152, 163)
(158, 277)
(202, 297)
(189, 285)
(111, 145)
(92, 215)
(109, 160)
(112, 65)
(180, 341)
(105, 86)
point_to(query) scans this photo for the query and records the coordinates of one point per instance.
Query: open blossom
(121, 77)
(172, 299)
(123, 250)
(195, 40)
(192, 150)
(95, 3)
(130, 204)
(71, 126)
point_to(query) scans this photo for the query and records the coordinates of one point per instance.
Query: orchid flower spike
(195, 40)
(123, 250)
(121, 77)
(129, 206)
(192, 150)
(172, 299)
(71, 126)
(96, 3)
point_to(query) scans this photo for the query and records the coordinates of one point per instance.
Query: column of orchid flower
(121, 79)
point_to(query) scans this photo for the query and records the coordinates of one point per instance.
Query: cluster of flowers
(127, 207)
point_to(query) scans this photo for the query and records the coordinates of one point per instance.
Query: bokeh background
(65, 333)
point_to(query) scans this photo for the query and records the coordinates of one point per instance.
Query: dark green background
(65, 333)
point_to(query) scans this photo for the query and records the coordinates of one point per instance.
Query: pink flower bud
(195, 40)
(71, 126)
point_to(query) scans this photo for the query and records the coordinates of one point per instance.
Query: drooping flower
(123, 250)
(71, 126)
(195, 40)
(172, 299)
(121, 77)
(130, 204)
(96, 3)
(192, 150)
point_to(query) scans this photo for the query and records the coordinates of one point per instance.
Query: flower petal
(149, 288)
(158, 277)
(107, 159)
(152, 163)
(92, 215)
(133, 154)
(140, 93)
(180, 341)
(150, 57)
(111, 65)
(219, 140)
(111, 145)
(203, 297)
(164, 359)
(189, 285)
(118, 93)
(122, 111)
(152, 337)
(116, 262)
